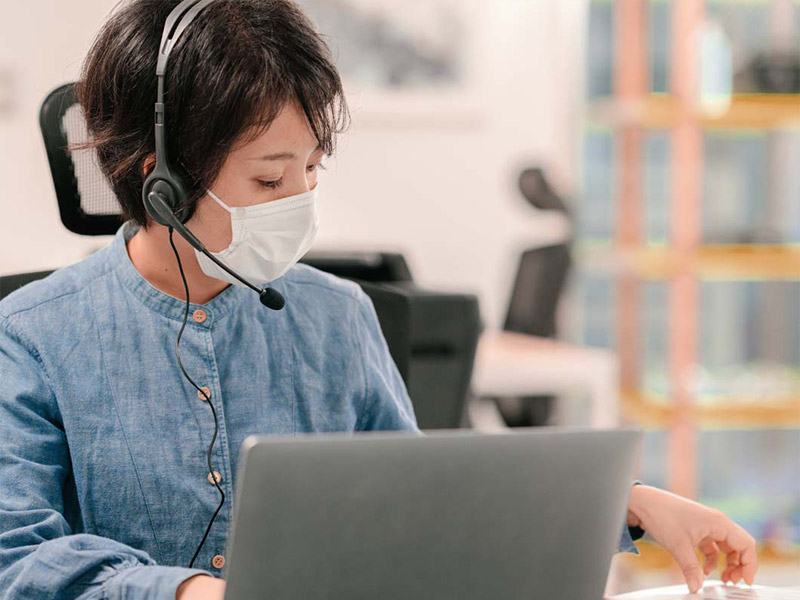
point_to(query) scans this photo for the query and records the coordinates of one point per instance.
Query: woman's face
(282, 162)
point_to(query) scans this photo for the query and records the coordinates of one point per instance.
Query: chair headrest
(86, 203)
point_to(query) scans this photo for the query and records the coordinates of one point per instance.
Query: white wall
(42, 44)
(442, 191)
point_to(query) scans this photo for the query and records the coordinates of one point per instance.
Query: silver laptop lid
(536, 513)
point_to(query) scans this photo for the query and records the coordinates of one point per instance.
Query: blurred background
(617, 182)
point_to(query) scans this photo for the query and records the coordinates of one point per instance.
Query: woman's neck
(151, 254)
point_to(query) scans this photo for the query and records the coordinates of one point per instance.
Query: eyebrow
(282, 155)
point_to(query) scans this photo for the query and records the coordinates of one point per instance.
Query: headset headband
(177, 21)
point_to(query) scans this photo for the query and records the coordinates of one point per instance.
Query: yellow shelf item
(729, 262)
(662, 111)
(656, 413)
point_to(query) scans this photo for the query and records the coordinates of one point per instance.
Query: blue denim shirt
(103, 475)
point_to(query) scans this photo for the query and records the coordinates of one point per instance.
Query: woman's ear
(148, 165)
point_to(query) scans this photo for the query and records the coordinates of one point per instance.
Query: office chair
(540, 280)
(11, 283)
(541, 277)
(432, 337)
(85, 201)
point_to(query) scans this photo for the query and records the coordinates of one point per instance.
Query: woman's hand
(681, 525)
(201, 587)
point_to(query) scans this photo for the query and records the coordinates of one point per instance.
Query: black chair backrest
(86, 202)
(541, 276)
(10, 283)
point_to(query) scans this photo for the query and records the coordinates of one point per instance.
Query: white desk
(713, 590)
(513, 364)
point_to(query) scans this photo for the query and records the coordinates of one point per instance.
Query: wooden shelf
(739, 413)
(685, 262)
(661, 111)
(728, 262)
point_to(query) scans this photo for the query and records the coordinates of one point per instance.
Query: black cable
(208, 401)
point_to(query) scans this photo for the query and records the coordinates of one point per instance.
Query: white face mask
(268, 238)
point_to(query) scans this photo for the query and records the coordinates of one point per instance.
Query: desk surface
(714, 590)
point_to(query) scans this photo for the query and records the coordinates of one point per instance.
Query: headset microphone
(164, 191)
(269, 297)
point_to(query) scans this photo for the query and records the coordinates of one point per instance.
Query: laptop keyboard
(715, 591)
(738, 593)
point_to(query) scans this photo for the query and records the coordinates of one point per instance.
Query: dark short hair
(231, 72)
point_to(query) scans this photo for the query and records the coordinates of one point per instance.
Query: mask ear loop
(220, 202)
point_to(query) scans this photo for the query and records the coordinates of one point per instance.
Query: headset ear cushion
(164, 190)
(147, 187)
(181, 193)
(179, 200)
(171, 188)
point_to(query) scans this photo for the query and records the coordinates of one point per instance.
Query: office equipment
(432, 337)
(398, 516)
(360, 265)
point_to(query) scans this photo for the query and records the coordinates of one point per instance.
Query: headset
(164, 191)
(164, 194)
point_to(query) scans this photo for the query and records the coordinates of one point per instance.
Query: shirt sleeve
(386, 405)
(630, 535)
(40, 556)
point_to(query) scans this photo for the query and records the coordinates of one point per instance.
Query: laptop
(714, 590)
(454, 514)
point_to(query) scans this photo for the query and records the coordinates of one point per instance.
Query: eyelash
(276, 184)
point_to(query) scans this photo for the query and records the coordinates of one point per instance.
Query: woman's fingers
(732, 558)
(736, 574)
(687, 560)
(740, 548)
(711, 554)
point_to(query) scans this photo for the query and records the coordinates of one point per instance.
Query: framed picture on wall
(406, 63)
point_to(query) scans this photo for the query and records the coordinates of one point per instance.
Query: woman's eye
(276, 184)
(269, 184)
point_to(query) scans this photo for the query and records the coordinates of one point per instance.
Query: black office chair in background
(432, 336)
(541, 277)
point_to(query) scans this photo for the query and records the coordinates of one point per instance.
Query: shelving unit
(685, 263)
(729, 262)
(742, 412)
(662, 111)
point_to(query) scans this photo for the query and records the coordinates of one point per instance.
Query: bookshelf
(647, 113)
(662, 111)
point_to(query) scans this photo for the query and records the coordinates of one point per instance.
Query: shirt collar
(161, 302)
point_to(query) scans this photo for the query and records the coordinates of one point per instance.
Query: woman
(108, 469)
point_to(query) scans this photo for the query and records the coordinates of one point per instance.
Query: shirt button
(200, 393)
(199, 315)
(218, 561)
(217, 476)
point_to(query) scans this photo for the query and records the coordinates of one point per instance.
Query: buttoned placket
(211, 556)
